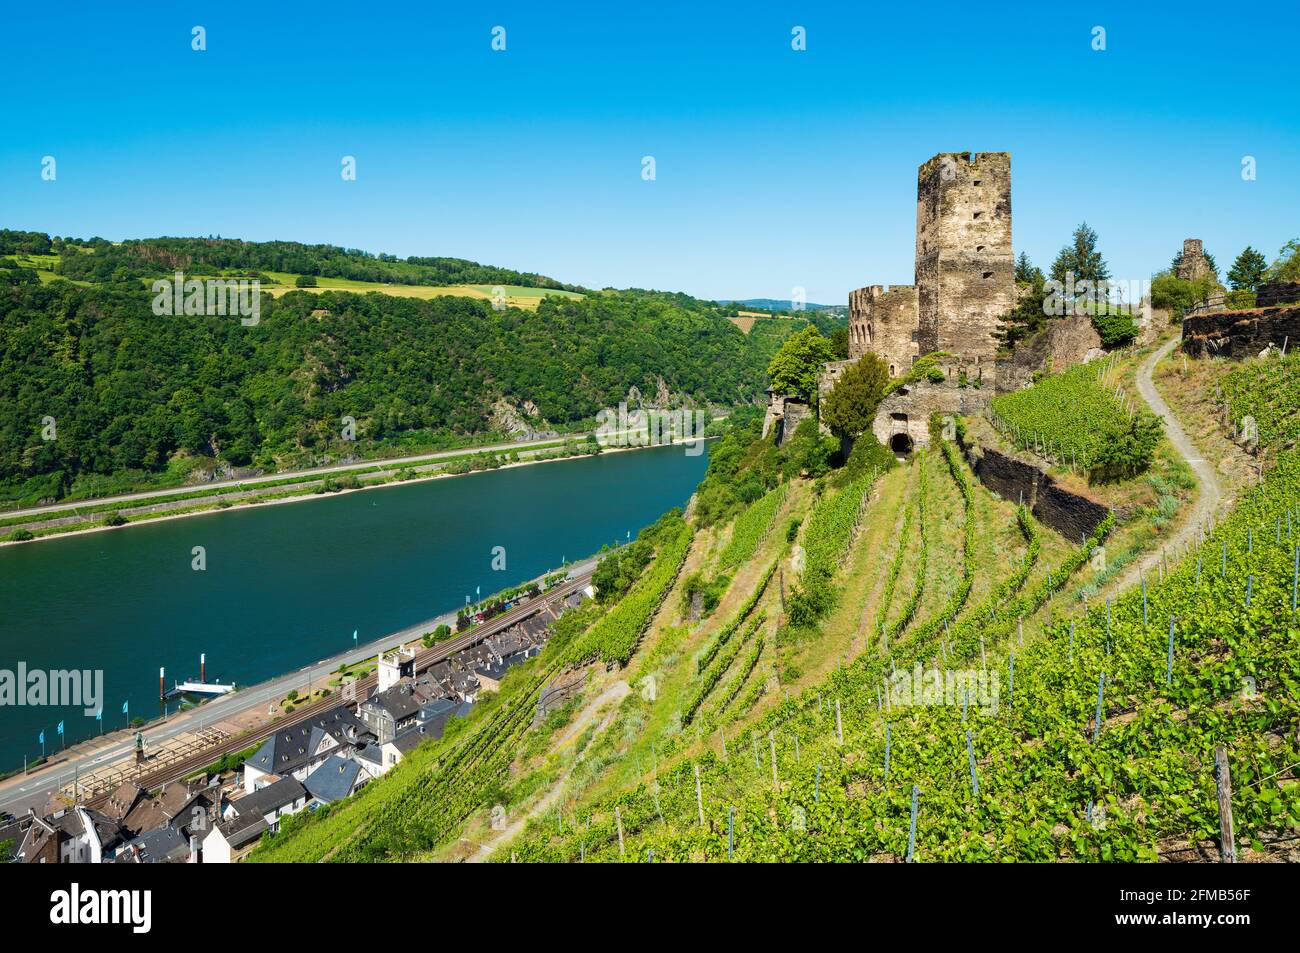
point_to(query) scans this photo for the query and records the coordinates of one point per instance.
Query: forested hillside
(137, 398)
(101, 261)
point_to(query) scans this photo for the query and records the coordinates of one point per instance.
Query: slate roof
(242, 829)
(290, 748)
(333, 780)
(166, 845)
(269, 799)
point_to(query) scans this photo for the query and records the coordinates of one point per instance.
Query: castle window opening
(979, 247)
(988, 274)
(977, 182)
(978, 214)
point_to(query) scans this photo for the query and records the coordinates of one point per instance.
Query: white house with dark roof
(246, 819)
(299, 749)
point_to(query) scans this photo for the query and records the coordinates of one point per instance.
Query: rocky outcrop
(1063, 343)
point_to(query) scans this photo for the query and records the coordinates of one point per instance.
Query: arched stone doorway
(901, 440)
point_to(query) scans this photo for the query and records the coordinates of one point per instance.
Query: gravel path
(1210, 497)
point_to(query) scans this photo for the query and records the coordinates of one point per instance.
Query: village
(221, 816)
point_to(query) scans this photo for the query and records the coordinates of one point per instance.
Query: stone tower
(1192, 263)
(965, 269)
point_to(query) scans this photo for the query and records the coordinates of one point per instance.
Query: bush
(305, 281)
(114, 519)
(21, 536)
(1115, 330)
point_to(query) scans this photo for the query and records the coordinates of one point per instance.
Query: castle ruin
(964, 271)
(1192, 263)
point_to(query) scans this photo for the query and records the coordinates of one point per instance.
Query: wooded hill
(137, 398)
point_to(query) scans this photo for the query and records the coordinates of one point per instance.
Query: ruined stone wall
(796, 412)
(883, 321)
(784, 414)
(1071, 514)
(965, 269)
(1239, 334)
(906, 412)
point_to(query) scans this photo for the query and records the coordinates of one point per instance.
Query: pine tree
(1247, 272)
(1081, 259)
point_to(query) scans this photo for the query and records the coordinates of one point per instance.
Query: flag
(125, 707)
(354, 635)
(60, 727)
(478, 590)
(42, 736)
(99, 715)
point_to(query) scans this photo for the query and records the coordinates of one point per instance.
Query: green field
(517, 296)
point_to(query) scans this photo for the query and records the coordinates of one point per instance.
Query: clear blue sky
(775, 168)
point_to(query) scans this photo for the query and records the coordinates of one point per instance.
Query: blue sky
(775, 168)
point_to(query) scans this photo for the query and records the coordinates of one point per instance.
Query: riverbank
(96, 764)
(237, 498)
(280, 585)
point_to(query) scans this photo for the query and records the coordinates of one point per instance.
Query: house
(299, 749)
(388, 713)
(230, 840)
(183, 805)
(429, 725)
(334, 780)
(246, 819)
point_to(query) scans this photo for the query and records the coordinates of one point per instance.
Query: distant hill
(780, 304)
(137, 396)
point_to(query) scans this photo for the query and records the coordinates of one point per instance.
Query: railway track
(424, 659)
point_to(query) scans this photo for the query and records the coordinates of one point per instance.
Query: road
(145, 496)
(34, 790)
(1210, 497)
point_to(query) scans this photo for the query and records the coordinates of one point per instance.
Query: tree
(1080, 259)
(1028, 315)
(1287, 266)
(795, 368)
(850, 407)
(1247, 271)
(1027, 273)
(839, 339)
(305, 281)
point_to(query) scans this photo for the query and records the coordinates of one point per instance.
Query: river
(285, 585)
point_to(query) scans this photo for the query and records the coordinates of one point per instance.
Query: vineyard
(1094, 742)
(1080, 419)
(1268, 392)
(751, 529)
(614, 638)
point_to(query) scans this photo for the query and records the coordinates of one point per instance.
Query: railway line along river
(286, 585)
